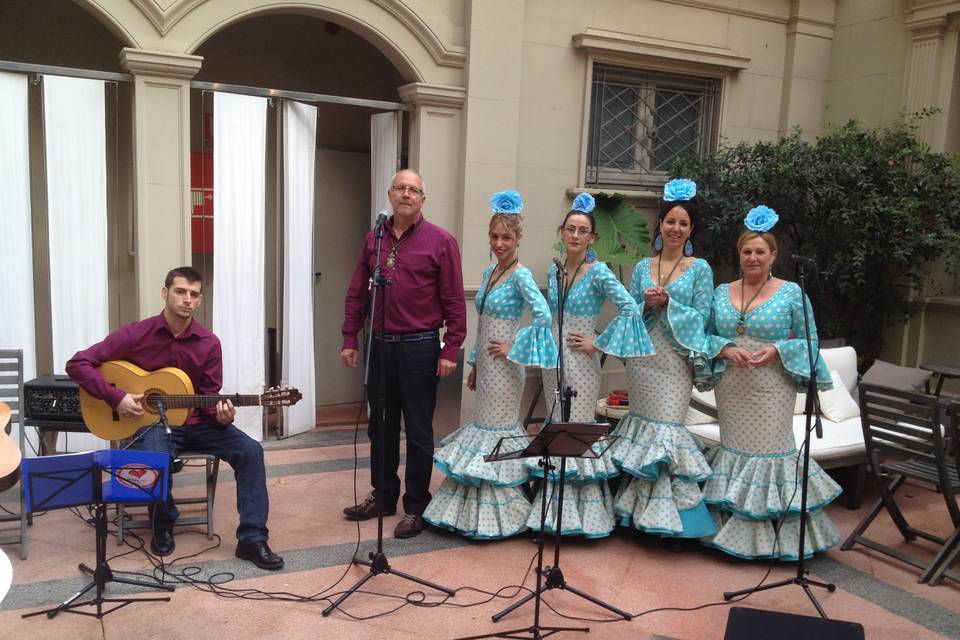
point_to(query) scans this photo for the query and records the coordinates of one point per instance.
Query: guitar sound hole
(150, 398)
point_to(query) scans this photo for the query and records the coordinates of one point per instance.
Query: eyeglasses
(399, 188)
(577, 231)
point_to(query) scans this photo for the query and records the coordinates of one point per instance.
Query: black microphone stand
(801, 577)
(378, 562)
(553, 575)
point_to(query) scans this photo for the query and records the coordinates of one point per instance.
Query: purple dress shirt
(149, 344)
(426, 287)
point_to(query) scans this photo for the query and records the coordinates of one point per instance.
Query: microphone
(561, 268)
(382, 216)
(798, 258)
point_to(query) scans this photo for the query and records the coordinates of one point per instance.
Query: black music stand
(98, 478)
(559, 440)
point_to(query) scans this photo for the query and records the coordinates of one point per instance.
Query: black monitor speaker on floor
(750, 624)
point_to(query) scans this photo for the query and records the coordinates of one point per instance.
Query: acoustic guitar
(9, 452)
(169, 386)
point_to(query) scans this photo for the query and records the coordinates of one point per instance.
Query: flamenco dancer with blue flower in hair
(479, 499)
(661, 462)
(759, 335)
(588, 503)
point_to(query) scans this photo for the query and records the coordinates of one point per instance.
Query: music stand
(98, 478)
(559, 440)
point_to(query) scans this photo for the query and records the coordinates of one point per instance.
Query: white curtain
(239, 174)
(16, 283)
(383, 159)
(76, 161)
(299, 151)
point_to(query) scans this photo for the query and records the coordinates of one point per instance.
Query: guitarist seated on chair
(174, 339)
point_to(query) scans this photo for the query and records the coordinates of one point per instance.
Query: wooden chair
(904, 440)
(211, 468)
(11, 393)
(953, 543)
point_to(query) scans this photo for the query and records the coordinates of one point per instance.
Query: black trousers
(411, 392)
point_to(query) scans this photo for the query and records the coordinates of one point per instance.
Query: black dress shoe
(367, 509)
(408, 527)
(162, 543)
(259, 553)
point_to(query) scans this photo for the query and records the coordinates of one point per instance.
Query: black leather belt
(407, 337)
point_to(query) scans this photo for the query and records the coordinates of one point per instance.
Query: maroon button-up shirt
(149, 344)
(425, 291)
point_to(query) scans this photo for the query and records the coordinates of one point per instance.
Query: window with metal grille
(641, 121)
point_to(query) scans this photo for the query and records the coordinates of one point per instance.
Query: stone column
(492, 129)
(806, 67)
(161, 141)
(931, 69)
(436, 149)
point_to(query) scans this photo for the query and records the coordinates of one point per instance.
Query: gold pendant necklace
(391, 261)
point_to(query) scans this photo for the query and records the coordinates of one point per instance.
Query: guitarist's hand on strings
(130, 406)
(225, 412)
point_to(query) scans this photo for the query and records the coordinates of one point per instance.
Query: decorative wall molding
(163, 18)
(452, 56)
(432, 95)
(605, 41)
(160, 63)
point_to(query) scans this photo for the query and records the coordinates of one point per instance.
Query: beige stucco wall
(867, 66)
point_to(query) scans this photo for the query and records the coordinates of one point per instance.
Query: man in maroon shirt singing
(425, 293)
(175, 339)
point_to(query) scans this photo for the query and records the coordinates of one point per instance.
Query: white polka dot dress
(660, 460)
(588, 503)
(756, 467)
(479, 499)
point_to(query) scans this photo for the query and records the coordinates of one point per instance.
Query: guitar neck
(200, 401)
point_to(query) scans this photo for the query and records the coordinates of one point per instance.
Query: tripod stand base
(534, 633)
(378, 564)
(799, 580)
(555, 580)
(102, 577)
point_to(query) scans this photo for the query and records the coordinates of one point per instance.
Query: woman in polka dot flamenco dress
(587, 501)
(478, 499)
(660, 460)
(759, 334)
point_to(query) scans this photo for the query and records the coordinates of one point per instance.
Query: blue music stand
(96, 478)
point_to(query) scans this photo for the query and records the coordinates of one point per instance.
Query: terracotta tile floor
(309, 485)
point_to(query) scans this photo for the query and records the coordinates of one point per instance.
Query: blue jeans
(234, 447)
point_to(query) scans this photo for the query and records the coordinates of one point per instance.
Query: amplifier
(52, 397)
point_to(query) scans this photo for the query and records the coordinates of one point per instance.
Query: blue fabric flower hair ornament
(679, 189)
(508, 202)
(761, 219)
(584, 203)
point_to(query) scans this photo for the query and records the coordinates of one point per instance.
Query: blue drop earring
(688, 248)
(658, 243)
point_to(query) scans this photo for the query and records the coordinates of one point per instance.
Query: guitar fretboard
(196, 401)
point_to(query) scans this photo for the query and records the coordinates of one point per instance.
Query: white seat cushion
(840, 439)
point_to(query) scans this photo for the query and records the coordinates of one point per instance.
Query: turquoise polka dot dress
(660, 459)
(756, 473)
(587, 500)
(479, 499)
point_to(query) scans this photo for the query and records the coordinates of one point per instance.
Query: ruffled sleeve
(714, 344)
(686, 320)
(625, 336)
(534, 346)
(793, 350)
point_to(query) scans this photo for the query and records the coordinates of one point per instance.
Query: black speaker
(751, 624)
